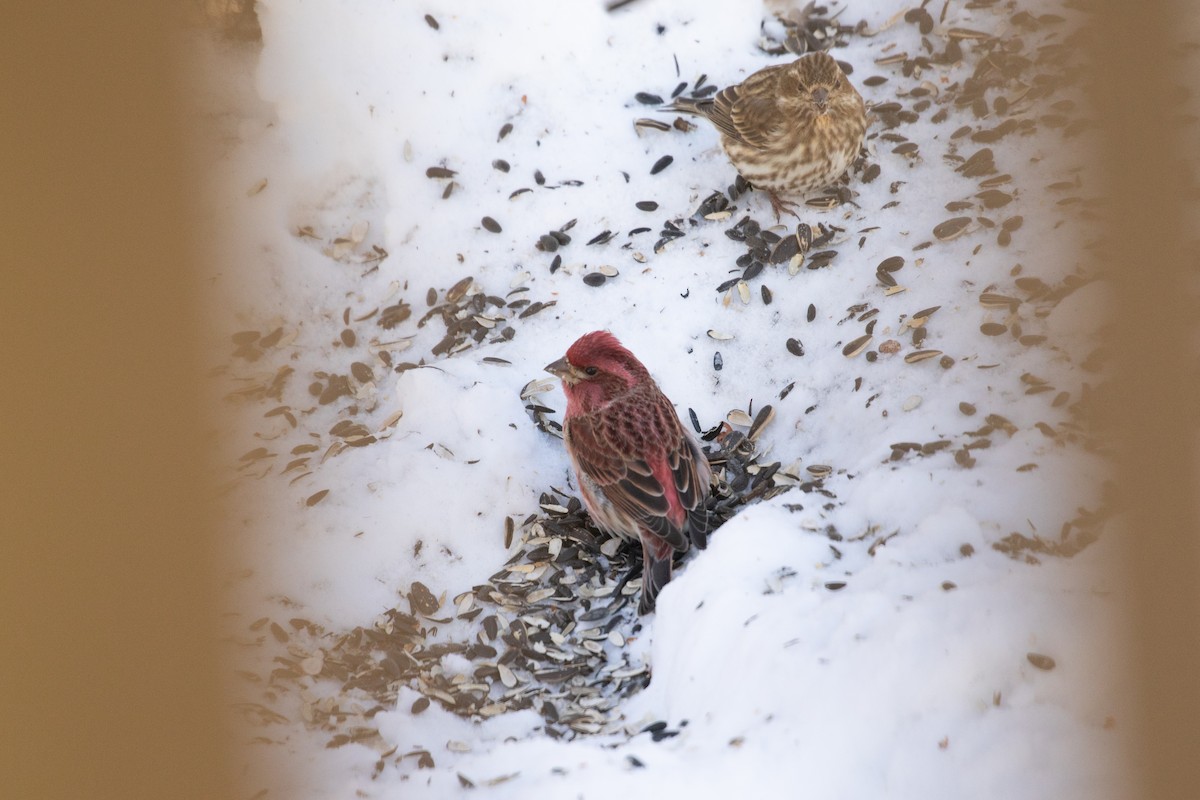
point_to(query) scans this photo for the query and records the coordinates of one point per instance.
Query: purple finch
(789, 128)
(641, 473)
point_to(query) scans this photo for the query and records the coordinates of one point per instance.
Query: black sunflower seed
(594, 278)
(646, 205)
(647, 99)
(491, 225)
(501, 165)
(785, 250)
(795, 347)
(715, 202)
(661, 164)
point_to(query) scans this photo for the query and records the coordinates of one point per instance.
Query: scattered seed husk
(857, 346)
(921, 355)
(996, 300)
(761, 420)
(739, 418)
(650, 124)
(951, 228)
(1040, 661)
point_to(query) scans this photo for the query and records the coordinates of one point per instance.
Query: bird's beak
(563, 369)
(820, 96)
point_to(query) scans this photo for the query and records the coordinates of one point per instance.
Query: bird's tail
(698, 524)
(656, 573)
(684, 105)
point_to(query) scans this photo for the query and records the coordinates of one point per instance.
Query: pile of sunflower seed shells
(547, 631)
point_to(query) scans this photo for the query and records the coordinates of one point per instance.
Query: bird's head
(821, 88)
(596, 369)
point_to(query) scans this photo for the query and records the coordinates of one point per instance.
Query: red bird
(641, 473)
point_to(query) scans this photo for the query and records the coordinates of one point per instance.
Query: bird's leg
(778, 204)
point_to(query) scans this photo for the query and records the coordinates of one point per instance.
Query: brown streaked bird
(641, 472)
(790, 129)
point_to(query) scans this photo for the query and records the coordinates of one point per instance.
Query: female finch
(789, 128)
(641, 473)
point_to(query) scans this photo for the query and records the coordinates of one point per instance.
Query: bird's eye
(590, 370)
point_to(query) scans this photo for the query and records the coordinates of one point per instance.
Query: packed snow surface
(855, 636)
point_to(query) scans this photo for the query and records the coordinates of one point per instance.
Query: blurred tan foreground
(1153, 408)
(109, 679)
(107, 687)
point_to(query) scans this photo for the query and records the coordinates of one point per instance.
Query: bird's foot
(778, 204)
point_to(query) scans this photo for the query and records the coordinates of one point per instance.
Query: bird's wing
(692, 473)
(749, 112)
(650, 474)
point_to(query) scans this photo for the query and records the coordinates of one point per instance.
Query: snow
(911, 679)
